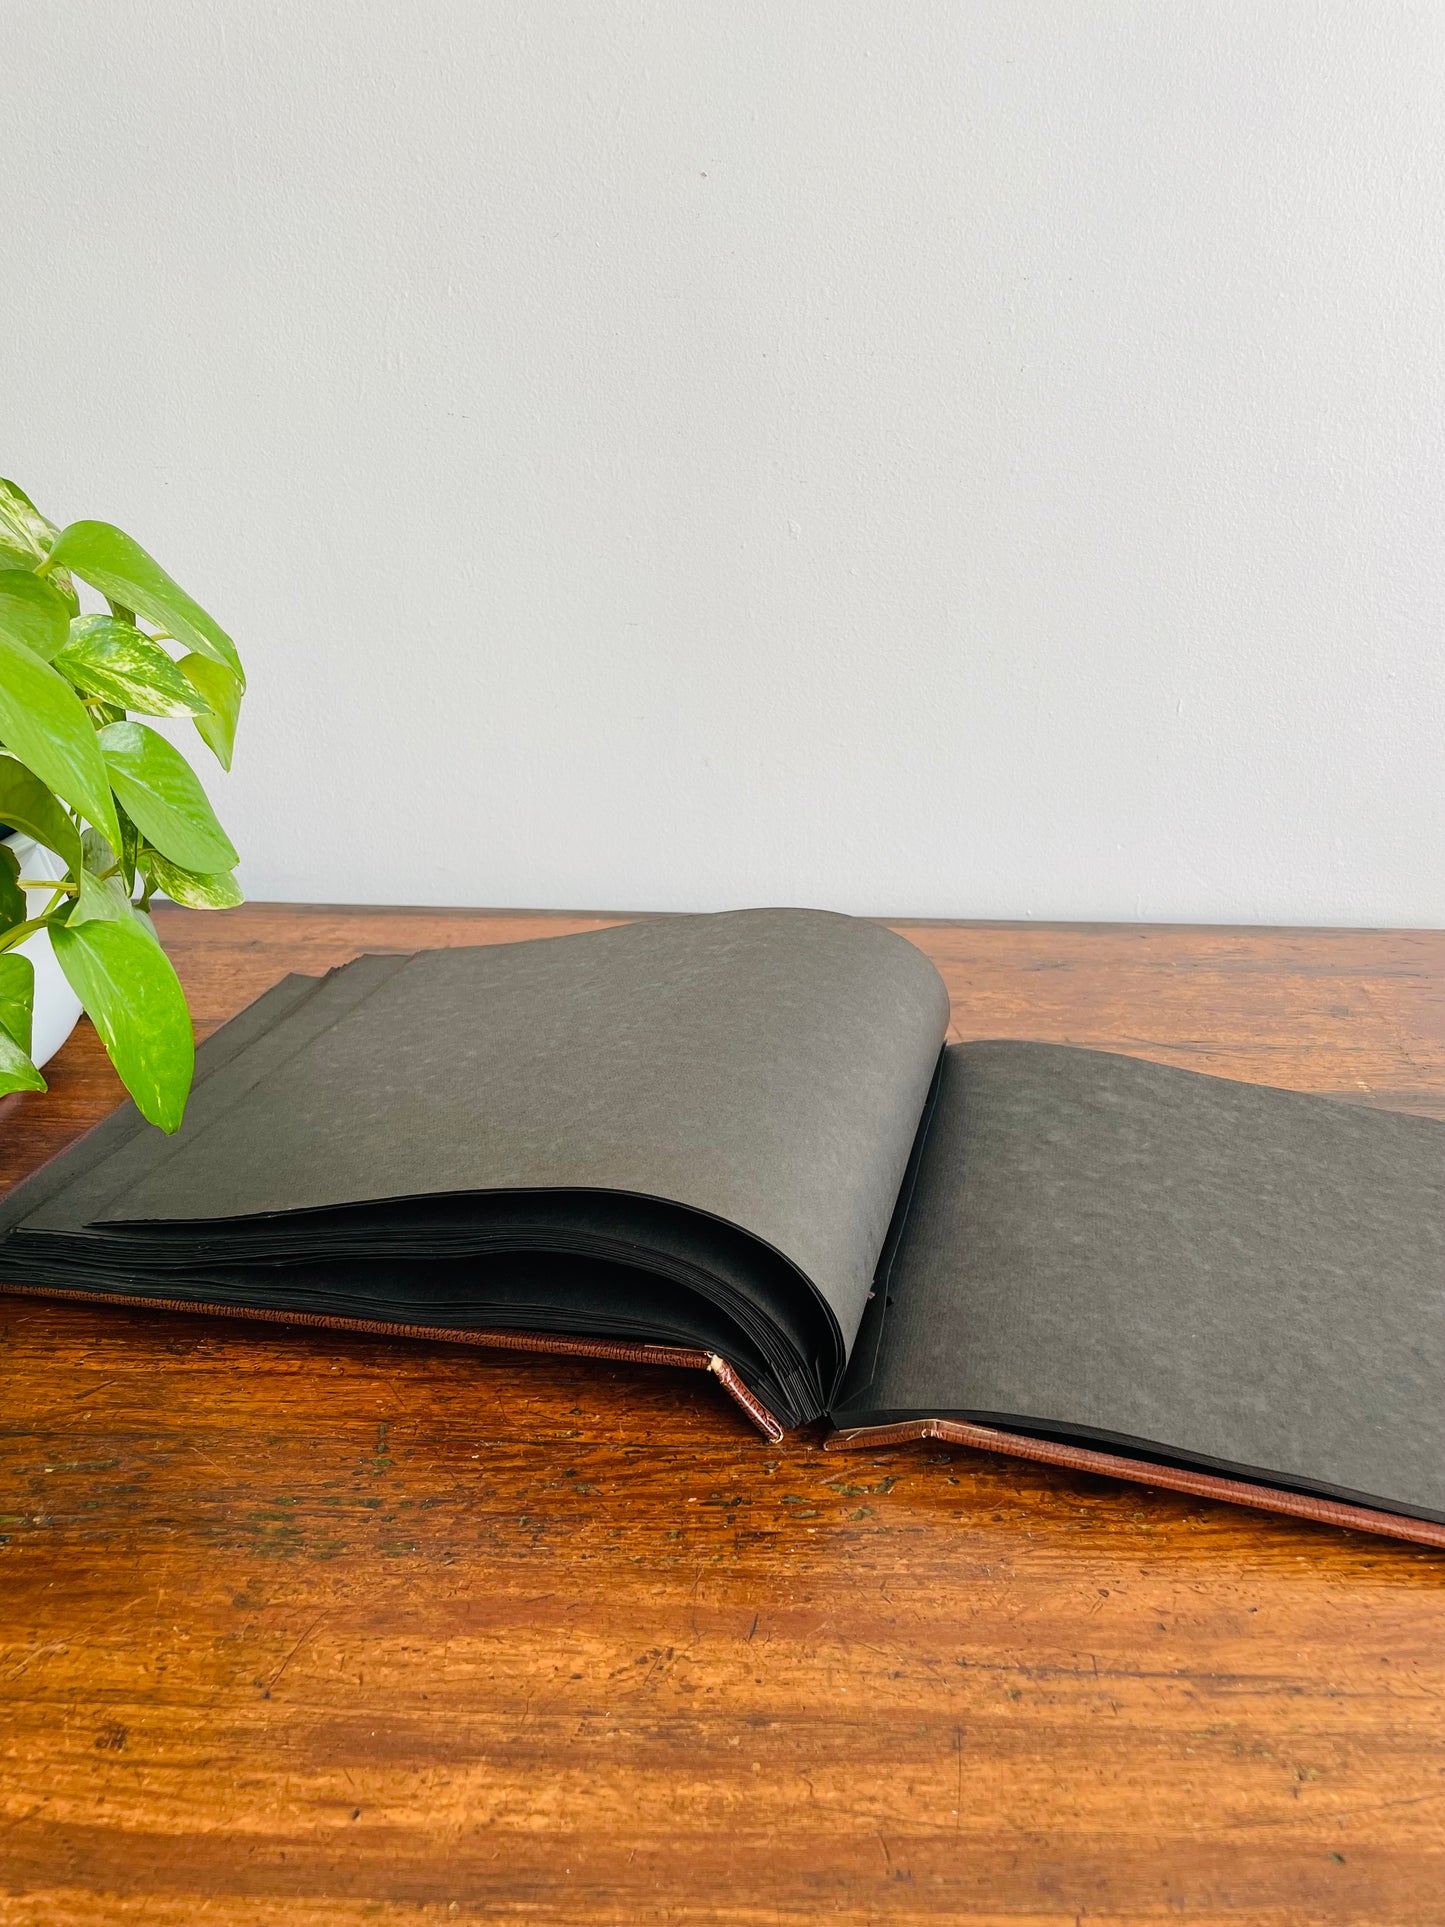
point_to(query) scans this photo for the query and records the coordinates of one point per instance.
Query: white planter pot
(57, 1008)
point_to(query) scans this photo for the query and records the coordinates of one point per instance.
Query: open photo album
(742, 1142)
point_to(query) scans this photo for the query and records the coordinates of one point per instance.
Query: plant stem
(20, 933)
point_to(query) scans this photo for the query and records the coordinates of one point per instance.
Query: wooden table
(303, 1628)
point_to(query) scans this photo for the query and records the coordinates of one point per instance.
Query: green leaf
(17, 1073)
(97, 854)
(23, 524)
(12, 897)
(43, 722)
(114, 661)
(103, 873)
(134, 998)
(103, 898)
(217, 891)
(17, 1004)
(26, 804)
(129, 844)
(163, 796)
(21, 562)
(24, 562)
(17, 998)
(59, 579)
(33, 611)
(222, 691)
(110, 561)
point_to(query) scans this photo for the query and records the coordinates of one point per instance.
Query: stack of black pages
(741, 1142)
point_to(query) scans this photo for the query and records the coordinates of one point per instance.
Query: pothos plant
(114, 799)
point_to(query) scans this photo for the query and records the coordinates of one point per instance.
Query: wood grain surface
(304, 1629)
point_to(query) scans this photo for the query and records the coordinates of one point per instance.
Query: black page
(767, 1068)
(1221, 1274)
(73, 1188)
(758, 1074)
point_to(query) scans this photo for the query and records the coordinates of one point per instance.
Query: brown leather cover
(1204, 1485)
(512, 1341)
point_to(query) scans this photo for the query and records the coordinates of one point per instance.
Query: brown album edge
(986, 1438)
(1114, 1465)
(621, 1350)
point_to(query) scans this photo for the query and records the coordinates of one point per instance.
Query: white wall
(963, 457)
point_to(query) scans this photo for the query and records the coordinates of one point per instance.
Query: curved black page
(726, 1104)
